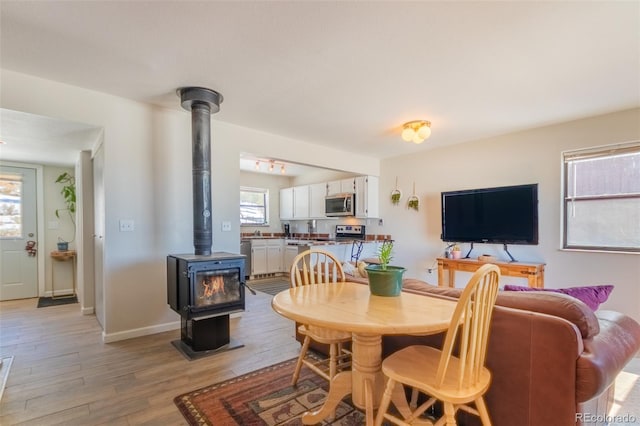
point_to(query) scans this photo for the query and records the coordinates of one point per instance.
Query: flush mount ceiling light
(416, 131)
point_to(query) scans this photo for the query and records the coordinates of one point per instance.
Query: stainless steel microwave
(340, 205)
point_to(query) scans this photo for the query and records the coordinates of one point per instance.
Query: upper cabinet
(367, 197)
(301, 202)
(286, 203)
(317, 192)
(307, 201)
(341, 186)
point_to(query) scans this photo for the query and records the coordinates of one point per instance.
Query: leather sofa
(553, 360)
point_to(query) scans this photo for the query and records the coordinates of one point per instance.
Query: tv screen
(507, 215)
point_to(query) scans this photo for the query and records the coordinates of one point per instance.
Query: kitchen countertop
(307, 241)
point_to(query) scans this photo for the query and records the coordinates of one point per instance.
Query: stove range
(350, 232)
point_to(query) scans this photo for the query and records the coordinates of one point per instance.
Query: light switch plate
(226, 226)
(127, 225)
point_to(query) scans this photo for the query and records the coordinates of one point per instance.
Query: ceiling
(343, 74)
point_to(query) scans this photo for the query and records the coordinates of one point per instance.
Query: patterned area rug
(263, 397)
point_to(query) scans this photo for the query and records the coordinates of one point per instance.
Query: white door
(18, 231)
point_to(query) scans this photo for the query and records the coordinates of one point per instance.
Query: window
(10, 206)
(602, 198)
(254, 206)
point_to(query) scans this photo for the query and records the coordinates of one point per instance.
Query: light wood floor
(62, 373)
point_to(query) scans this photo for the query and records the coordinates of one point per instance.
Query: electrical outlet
(226, 226)
(126, 225)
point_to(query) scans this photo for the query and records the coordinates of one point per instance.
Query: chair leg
(414, 398)
(384, 404)
(482, 411)
(449, 414)
(303, 353)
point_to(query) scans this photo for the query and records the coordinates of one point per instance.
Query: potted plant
(384, 279)
(456, 252)
(68, 192)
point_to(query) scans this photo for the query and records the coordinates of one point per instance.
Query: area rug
(263, 397)
(44, 302)
(271, 287)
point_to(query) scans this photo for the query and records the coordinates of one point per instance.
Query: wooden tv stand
(533, 272)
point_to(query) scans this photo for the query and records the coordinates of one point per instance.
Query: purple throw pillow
(592, 296)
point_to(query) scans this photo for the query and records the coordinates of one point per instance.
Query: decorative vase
(63, 246)
(385, 282)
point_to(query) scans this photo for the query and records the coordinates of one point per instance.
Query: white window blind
(254, 206)
(602, 198)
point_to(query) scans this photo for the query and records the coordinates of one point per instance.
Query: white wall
(532, 156)
(147, 178)
(53, 200)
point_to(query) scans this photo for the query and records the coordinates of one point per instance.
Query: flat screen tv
(506, 215)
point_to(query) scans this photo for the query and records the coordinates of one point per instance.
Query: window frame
(581, 154)
(266, 195)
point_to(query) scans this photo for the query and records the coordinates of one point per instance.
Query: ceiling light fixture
(272, 165)
(416, 131)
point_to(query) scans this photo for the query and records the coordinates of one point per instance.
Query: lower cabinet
(266, 256)
(290, 252)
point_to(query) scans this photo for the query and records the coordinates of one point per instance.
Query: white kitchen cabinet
(290, 252)
(341, 186)
(258, 257)
(333, 187)
(348, 185)
(275, 255)
(317, 193)
(301, 202)
(367, 196)
(266, 255)
(286, 203)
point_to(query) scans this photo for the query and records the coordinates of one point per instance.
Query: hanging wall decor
(413, 202)
(396, 194)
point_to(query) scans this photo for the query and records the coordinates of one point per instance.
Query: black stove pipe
(202, 103)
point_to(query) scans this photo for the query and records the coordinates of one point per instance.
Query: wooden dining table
(351, 307)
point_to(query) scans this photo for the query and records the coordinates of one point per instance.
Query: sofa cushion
(550, 303)
(592, 296)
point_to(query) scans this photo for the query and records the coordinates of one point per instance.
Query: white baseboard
(87, 311)
(139, 332)
(59, 291)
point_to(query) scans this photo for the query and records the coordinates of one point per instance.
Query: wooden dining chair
(319, 267)
(455, 380)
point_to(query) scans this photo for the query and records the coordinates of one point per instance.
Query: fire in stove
(215, 287)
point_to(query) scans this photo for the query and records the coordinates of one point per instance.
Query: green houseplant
(68, 192)
(384, 279)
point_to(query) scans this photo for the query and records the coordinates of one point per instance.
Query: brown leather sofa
(553, 360)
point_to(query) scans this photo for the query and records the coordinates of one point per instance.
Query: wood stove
(204, 287)
(204, 290)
